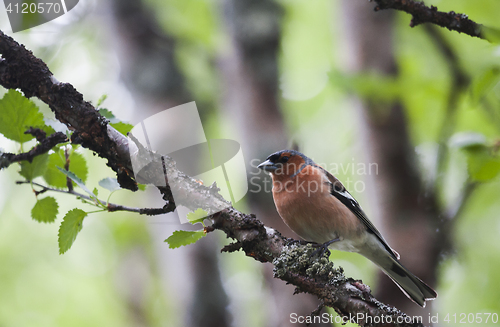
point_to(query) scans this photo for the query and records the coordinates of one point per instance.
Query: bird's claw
(323, 248)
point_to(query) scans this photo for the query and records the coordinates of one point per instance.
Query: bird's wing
(339, 191)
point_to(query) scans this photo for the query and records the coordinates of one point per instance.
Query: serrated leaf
(77, 180)
(110, 184)
(34, 169)
(69, 229)
(45, 210)
(181, 237)
(197, 216)
(122, 127)
(17, 114)
(117, 124)
(77, 165)
(108, 115)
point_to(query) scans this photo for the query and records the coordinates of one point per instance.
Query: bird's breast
(309, 209)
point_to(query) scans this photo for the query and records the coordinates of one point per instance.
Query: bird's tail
(412, 286)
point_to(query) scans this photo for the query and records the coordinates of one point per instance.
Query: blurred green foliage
(83, 287)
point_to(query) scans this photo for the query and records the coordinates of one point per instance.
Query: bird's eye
(274, 158)
(284, 159)
(338, 187)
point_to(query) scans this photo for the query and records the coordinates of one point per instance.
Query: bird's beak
(267, 166)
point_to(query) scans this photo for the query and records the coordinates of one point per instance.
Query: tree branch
(111, 207)
(6, 159)
(424, 14)
(20, 69)
(293, 263)
(350, 298)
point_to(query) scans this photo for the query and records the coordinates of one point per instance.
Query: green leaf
(484, 84)
(482, 166)
(69, 229)
(197, 216)
(121, 127)
(95, 191)
(17, 114)
(181, 237)
(49, 130)
(142, 187)
(108, 115)
(77, 165)
(117, 124)
(110, 184)
(34, 169)
(101, 100)
(45, 210)
(482, 163)
(77, 180)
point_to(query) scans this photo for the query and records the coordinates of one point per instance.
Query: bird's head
(285, 163)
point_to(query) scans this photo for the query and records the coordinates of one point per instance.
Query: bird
(317, 207)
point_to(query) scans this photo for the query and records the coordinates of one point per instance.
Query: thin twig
(110, 206)
(6, 159)
(423, 14)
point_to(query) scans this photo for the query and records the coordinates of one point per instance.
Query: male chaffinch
(316, 206)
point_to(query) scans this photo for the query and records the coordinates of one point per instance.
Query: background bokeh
(304, 92)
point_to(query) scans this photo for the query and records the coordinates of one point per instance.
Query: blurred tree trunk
(147, 59)
(407, 217)
(251, 100)
(149, 69)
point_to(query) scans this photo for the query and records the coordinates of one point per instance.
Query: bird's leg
(304, 242)
(323, 248)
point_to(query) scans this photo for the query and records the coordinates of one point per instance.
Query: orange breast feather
(305, 204)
